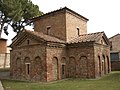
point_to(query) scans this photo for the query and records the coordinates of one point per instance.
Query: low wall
(5, 60)
(115, 65)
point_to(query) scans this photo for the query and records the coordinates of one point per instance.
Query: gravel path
(4, 75)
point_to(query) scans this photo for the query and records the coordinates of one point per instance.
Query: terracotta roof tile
(87, 37)
(45, 37)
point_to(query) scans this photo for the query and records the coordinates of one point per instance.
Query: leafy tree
(17, 14)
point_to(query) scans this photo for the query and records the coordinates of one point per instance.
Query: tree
(17, 14)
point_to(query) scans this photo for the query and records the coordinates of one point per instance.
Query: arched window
(104, 64)
(28, 42)
(63, 67)
(27, 65)
(37, 60)
(99, 65)
(48, 29)
(108, 64)
(78, 31)
(27, 60)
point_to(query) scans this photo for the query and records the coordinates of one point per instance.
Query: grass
(108, 82)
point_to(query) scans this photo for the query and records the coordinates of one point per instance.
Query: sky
(103, 15)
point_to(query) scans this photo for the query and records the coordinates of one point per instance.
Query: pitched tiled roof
(87, 37)
(114, 36)
(82, 38)
(44, 36)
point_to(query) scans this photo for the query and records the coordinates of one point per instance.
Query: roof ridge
(64, 8)
(114, 35)
(87, 37)
(91, 33)
(45, 36)
(55, 10)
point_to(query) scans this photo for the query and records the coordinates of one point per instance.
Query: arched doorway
(63, 67)
(108, 64)
(55, 68)
(99, 66)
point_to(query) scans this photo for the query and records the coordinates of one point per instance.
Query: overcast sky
(103, 15)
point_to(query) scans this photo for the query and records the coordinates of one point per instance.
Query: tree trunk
(0, 33)
(1, 29)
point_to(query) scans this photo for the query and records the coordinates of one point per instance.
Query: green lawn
(108, 82)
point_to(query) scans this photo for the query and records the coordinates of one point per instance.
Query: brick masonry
(115, 41)
(42, 60)
(115, 48)
(3, 46)
(115, 65)
(63, 23)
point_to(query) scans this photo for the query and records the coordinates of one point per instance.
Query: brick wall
(48, 61)
(115, 42)
(115, 65)
(57, 54)
(34, 55)
(57, 24)
(79, 61)
(84, 59)
(72, 23)
(3, 46)
(102, 60)
(63, 25)
(115, 48)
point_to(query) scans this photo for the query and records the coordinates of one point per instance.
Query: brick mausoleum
(58, 48)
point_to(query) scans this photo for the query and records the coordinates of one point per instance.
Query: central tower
(64, 24)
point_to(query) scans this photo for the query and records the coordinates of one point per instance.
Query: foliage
(108, 82)
(17, 14)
